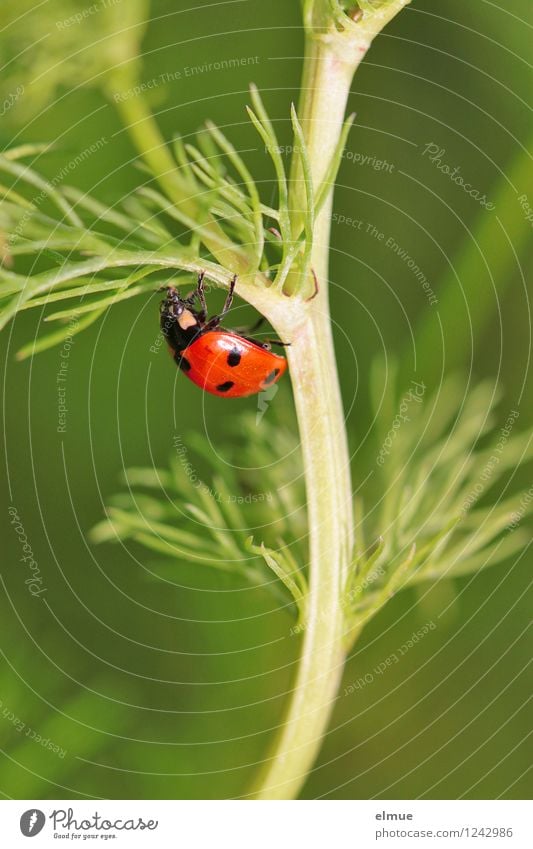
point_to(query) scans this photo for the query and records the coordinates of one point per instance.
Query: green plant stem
(321, 423)
(330, 62)
(325, 86)
(326, 83)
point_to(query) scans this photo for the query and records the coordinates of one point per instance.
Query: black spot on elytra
(234, 358)
(225, 387)
(183, 363)
(270, 377)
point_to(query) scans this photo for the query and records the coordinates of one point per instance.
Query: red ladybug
(220, 361)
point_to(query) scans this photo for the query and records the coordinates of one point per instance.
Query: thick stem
(325, 87)
(325, 455)
(331, 59)
(321, 423)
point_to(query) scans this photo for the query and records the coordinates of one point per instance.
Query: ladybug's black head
(180, 322)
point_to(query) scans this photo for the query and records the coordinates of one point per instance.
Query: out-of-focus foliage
(56, 45)
(441, 510)
(175, 513)
(442, 503)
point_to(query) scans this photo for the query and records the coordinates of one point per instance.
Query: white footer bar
(267, 825)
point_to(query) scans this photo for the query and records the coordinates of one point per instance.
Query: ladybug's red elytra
(220, 361)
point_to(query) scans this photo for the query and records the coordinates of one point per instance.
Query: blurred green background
(155, 691)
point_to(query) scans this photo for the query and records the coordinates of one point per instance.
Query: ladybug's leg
(245, 331)
(197, 295)
(266, 344)
(278, 342)
(172, 298)
(215, 321)
(229, 297)
(200, 294)
(170, 292)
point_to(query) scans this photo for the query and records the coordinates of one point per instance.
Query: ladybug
(220, 361)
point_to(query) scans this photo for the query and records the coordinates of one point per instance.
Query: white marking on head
(187, 319)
